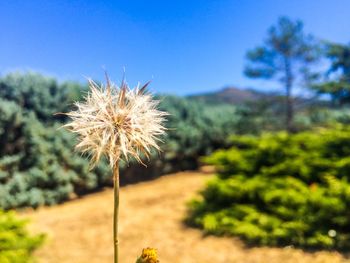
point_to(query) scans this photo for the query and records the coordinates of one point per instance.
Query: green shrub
(280, 189)
(39, 94)
(195, 129)
(38, 165)
(16, 244)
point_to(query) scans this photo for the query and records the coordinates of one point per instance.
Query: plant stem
(116, 211)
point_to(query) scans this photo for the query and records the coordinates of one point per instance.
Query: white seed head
(117, 122)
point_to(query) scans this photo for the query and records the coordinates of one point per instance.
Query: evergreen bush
(16, 244)
(38, 165)
(280, 189)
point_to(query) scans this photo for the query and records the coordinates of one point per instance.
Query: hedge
(280, 189)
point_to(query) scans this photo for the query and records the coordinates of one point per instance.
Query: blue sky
(184, 46)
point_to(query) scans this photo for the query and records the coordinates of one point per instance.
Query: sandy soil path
(80, 231)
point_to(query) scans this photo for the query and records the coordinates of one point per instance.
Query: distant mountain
(238, 96)
(231, 95)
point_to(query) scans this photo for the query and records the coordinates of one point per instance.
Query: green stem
(116, 211)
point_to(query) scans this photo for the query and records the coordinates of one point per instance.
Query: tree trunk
(289, 98)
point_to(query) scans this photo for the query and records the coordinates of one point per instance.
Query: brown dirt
(80, 231)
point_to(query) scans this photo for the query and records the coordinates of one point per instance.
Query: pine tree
(337, 82)
(285, 56)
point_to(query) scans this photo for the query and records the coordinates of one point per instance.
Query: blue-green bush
(38, 165)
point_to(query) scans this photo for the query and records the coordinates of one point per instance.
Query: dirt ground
(80, 231)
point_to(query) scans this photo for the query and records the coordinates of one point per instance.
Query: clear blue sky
(184, 46)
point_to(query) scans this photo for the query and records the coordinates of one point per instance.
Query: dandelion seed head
(117, 122)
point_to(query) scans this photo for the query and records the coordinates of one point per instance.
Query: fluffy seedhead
(118, 122)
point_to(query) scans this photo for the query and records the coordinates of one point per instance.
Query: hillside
(231, 95)
(239, 96)
(80, 231)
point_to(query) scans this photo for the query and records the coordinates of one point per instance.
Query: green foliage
(267, 114)
(195, 129)
(286, 43)
(337, 83)
(37, 162)
(280, 189)
(38, 165)
(286, 56)
(322, 117)
(16, 244)
(39, 94)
